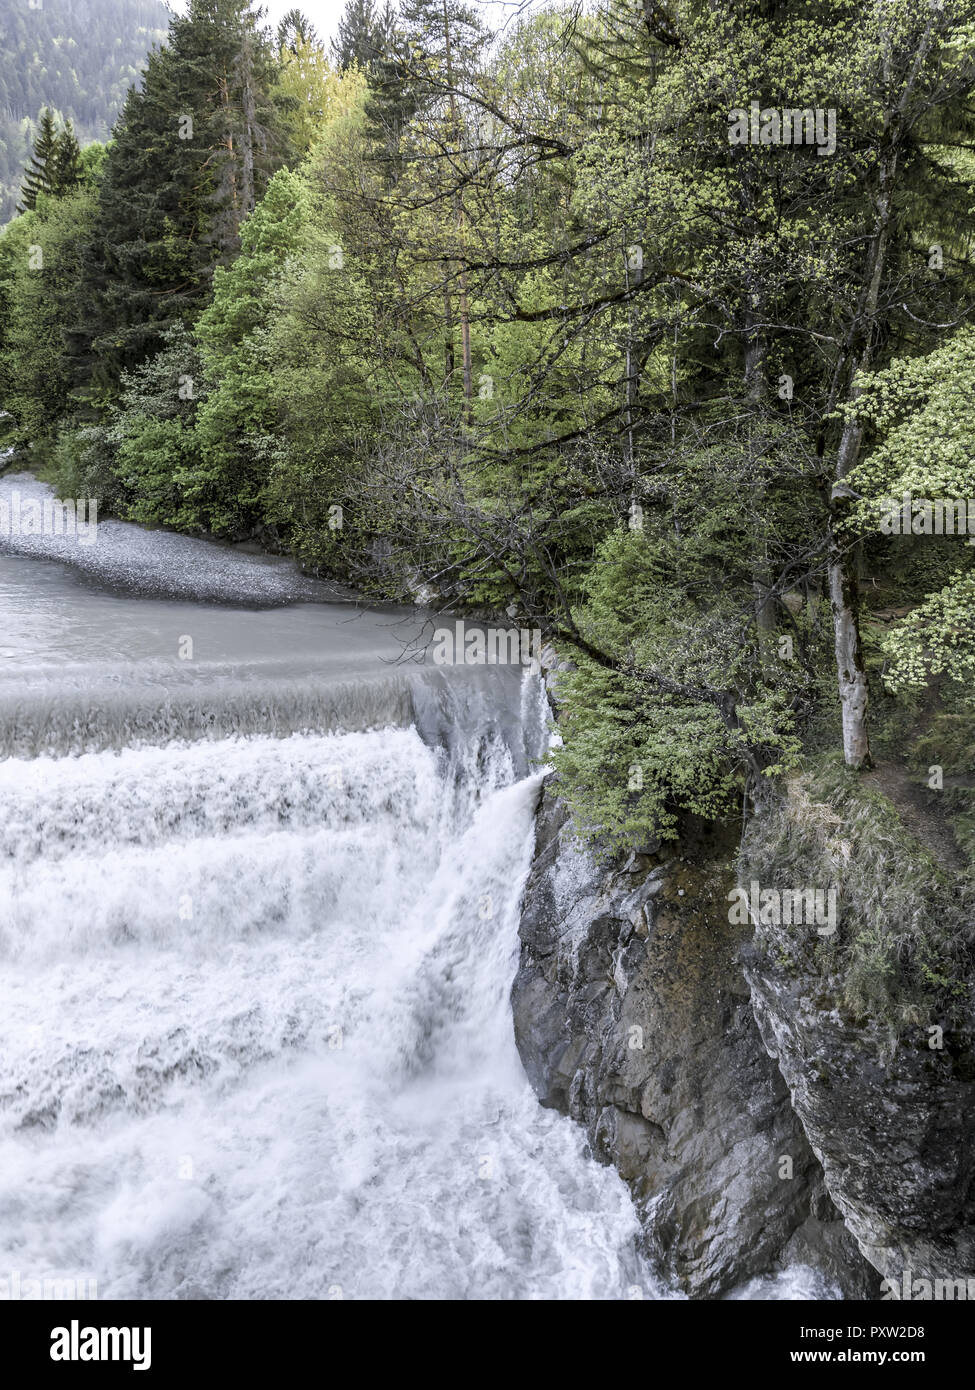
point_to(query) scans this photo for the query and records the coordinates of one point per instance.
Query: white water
(255, 1033)
(255, 1039)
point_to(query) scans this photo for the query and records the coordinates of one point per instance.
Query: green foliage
(922, 413)
(40, 175)
(192, 153)
(363, 35)
(56, 165)
(150, 436)
(655, 734)
(235, 425)
(69, 171)
(40, 265)
(903, 950)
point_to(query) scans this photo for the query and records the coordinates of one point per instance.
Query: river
(259, 928)
(260, 877)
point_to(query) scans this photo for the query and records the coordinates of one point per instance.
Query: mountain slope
(78, 56)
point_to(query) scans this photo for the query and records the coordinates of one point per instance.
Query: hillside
(79, 57)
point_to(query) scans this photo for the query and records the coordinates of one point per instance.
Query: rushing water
(260, 872)
(258, 932)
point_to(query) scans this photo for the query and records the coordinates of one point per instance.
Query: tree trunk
(844, 577)
(756, 348)
(844, 594)
(248, 196)
(852, 676)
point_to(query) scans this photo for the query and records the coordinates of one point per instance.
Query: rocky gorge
(761, 1122)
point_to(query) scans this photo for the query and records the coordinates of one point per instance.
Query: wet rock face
(893, 1126)
(632, 1015)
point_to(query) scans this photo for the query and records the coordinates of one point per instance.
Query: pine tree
(40, 172)
(190, 157)
(364, 35)
(67, 172)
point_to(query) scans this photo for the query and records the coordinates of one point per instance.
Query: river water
(258, 930)
(260, 872)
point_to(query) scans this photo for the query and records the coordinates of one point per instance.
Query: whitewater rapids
(256, 1034)
(258, 927)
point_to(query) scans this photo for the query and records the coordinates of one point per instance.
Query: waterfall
(258, 934)
(261, 870)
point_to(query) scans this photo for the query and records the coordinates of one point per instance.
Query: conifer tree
(364, 35)
(43, 162)
(191, 155)
(430, 50)
(295, 29)
(67, 172)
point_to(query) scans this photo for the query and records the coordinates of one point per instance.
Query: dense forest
(78, 57)
(623, 321)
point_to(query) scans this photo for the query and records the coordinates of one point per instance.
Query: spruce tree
(295, 29)
(364, 35)
(67, 172)
(40, 172)
(190, 157)
(433, 47)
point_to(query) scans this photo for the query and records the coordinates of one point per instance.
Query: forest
(573, 321)
(76, 57)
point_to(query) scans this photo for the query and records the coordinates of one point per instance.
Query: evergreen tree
(364, 35)
(190, 157)
(430, 51)
(42, 169)
(68, 170)
(294, 30)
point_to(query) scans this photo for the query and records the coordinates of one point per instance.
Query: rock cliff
(633, 1016)
(872, 1025)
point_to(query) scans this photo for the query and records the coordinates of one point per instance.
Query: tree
(363, 35)
(68, 169)
(295, 29)
(921, 415)
(311, 92)
(235, 425)
(190, 157)
(149, 434)
(42, 252)
(429, 45)
(42, 170)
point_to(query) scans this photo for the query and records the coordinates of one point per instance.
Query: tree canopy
(622, 322)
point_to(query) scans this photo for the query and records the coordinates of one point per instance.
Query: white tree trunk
(849, 660)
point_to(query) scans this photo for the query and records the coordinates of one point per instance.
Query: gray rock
(633, 1016)
(893, 1126)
